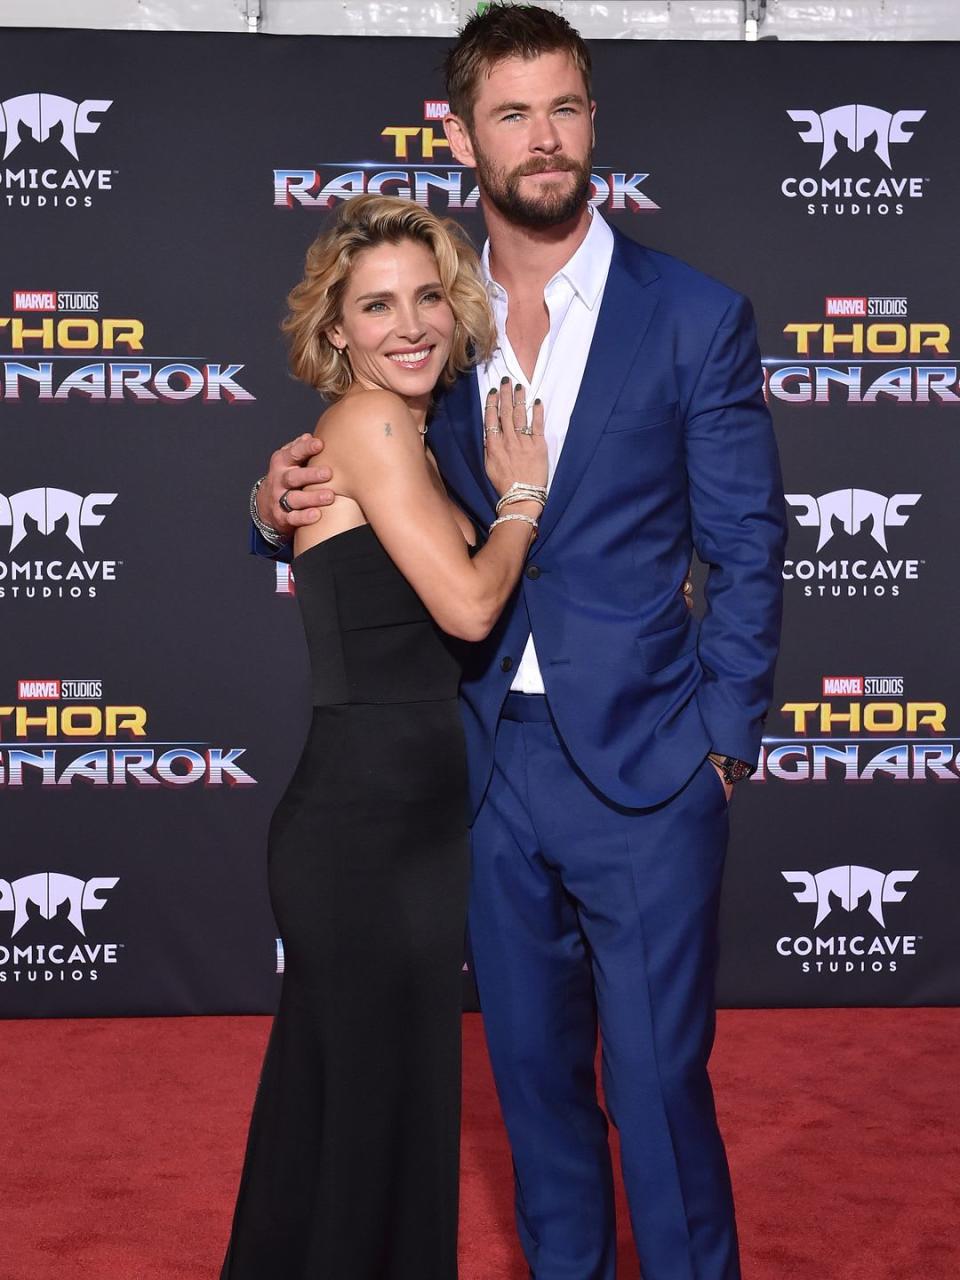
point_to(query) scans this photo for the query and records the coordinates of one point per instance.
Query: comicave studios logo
(842, 136)
(852, 509)
(846, 889)
(74, 737)
(52, 122)
(864, 351)
(413, 167)
(42, 897)
(40, 571)
(842, 514)
(55, 347)
(49, 891)
(47, 507)
(860, 729)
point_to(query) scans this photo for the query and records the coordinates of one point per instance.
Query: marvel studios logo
(862, 307)
(435, 109)
(863, 686)
(59, 690)
(55, 300)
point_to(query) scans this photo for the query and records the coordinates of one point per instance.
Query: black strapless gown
(352, 1161)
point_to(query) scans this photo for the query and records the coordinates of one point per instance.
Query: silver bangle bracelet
(539, 489)
(516, 516)
(266, 531)
(520, 492)
(509, 499)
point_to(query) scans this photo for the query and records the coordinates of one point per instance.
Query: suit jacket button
(506, 664)
(533, 572)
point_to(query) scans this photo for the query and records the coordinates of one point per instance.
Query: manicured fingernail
(492, 391)
(519, 388)
(538, 402)
(504, 381)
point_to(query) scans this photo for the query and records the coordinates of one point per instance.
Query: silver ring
(493, 431)
(284, 503)
(524, 431)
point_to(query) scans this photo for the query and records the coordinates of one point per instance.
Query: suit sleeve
(739, 532)
(259, 546)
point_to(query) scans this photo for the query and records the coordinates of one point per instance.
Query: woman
(352, 1162)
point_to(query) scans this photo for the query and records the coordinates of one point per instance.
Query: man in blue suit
(605, 727)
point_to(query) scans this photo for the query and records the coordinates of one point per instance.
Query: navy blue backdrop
(157, 194)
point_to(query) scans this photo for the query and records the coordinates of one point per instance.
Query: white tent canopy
(627, 19)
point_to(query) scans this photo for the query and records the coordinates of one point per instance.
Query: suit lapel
(629, 301)
(457, 443)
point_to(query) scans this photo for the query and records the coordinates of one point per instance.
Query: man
(599, 715)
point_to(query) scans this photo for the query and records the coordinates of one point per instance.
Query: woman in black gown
(351, 1170)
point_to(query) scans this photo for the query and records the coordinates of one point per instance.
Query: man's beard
(536, 212)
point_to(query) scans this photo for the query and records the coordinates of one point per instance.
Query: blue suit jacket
(670, 448)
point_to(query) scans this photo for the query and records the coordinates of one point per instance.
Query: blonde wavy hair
(316, 303)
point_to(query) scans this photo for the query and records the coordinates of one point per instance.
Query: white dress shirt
(572, 298)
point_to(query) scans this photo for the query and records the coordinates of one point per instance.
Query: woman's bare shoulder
(372, 412)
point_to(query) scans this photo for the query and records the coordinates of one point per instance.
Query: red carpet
(121, 1140)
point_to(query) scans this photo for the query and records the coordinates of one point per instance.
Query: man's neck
(523, 260)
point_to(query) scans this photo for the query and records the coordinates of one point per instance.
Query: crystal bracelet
(509, 499)
(516, 516)
(519, 491)
(539, 489)
(266, 531)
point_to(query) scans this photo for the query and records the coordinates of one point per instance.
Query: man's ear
(593, 123)
(458, 135)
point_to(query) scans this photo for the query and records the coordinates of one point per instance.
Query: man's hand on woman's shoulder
(292, 468)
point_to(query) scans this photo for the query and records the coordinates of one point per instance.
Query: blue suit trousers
(587, 915)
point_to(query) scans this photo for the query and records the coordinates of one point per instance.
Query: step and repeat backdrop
(157, 195)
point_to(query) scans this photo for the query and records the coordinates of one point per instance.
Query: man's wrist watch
(731, 769)
(266, 531)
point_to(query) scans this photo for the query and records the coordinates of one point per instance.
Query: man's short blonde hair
(316, 303)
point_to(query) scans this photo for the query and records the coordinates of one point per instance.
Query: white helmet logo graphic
(855, 123)
(49, 890)
(853, 508)
(45, 507)
(41, 113)
(849, 885)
